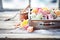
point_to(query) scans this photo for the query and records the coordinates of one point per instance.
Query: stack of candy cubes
(43, 14)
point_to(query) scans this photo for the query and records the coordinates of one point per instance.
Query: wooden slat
(47, 20)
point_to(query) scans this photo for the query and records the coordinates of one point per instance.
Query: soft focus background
(19, 4)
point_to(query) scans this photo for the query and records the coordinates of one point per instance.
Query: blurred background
(20, 4)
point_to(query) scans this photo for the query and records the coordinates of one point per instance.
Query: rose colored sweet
(50, 17)
(40, 10)
(26, 27)
(30, 29)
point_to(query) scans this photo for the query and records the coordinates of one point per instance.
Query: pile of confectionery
(38, 14)
(44, 14)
